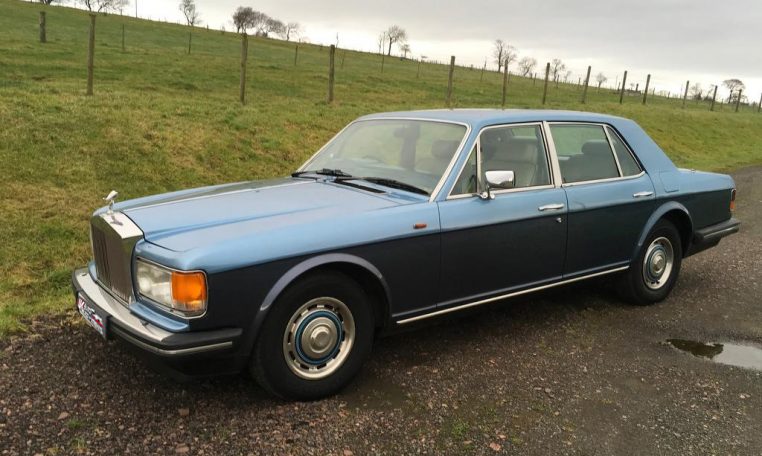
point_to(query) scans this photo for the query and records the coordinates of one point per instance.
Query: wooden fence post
(621, 91)
(481, 76)
(383, 59)
(738, 100)
(449, 81)
(331, 56)
(714, 97)
(123, 38)
(505, 87)
(587, 82)
(190, 36)
(685, 95)
(759, 107)
(43, 33)
(645, 92)
(418, 74)
(545, 88)
(244, 58)
(296, 54)
(91, 55)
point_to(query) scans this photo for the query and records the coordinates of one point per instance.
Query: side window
(467, 183)
(519, 149)
(584, 153)
(626, 161)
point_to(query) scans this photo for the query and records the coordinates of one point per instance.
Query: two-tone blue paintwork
(253, 239)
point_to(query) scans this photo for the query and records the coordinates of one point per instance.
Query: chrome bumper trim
(116, 310)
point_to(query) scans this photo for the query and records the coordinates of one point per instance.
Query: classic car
(399, 218)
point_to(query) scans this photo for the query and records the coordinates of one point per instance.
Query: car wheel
(654, 272)
(315, 338)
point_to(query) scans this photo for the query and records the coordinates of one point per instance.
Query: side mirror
(498, 180)
(501, 179)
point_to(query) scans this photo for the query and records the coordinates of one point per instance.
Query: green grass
(162, 120)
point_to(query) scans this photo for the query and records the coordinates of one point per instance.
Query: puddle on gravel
(747, 356)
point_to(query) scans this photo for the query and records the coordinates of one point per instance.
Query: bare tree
(527, 65)
(405, 49)
(395, 34)
(733, 86)
(98, 6)
(272, 25)
(695, 91)
(498, 52)
(242, 18)
(510, 55)
(49, 2)
(556, 68)
(188, 8)
(600, 78)
(381, 42)
(292, 29)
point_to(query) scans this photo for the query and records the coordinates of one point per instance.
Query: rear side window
(626, 161)
(584, 153)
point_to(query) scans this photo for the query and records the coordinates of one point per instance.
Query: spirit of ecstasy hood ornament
(110, 199)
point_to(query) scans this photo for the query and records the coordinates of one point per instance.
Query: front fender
(668, 206)
(298, 270)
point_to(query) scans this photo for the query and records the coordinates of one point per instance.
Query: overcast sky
(705, 41)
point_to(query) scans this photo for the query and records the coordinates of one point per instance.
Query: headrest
(523, 148)
(444, 149)
(596, 147)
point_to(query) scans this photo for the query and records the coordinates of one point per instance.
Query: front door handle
(642, 194)
(551, 207)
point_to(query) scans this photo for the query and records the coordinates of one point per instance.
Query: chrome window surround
(477, 145)
(609, 131)
(159, 306)
(445, 173)
(611, 146)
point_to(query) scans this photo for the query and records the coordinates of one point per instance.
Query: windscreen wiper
(323, 172)
(395, 184)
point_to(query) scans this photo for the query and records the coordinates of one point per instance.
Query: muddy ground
(572, 371)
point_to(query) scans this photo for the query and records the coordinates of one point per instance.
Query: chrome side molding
(509, 295)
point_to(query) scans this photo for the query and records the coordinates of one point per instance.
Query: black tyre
(315, 338)
(654, 272)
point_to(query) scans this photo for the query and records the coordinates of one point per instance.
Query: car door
(609, 196)
(512, 238)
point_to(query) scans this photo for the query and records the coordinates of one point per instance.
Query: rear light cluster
(733, 200)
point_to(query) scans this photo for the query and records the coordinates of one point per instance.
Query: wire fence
(527, 82)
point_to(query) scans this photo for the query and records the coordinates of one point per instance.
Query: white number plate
(92, 315)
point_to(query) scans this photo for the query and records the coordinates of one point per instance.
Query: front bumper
(180, 352)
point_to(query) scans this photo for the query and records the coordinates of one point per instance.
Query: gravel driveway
(572, 371)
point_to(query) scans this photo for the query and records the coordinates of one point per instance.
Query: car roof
(477, 118)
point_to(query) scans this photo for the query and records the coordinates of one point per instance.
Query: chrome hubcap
(318, 338)
(657, 263)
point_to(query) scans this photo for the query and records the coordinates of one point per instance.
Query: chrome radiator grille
(113, 242)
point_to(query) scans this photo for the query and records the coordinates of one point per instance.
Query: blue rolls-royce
(399, 218)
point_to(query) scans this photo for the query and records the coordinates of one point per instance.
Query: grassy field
(162, 120)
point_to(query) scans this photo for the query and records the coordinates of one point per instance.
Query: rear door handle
(551, 207)
(642, 194)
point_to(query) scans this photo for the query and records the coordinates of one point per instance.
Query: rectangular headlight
(183, 292)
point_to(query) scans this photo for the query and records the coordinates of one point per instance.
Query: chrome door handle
(551, 207)
(642, 194)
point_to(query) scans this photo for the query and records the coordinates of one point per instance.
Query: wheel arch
(675, 213)
(359, 269)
